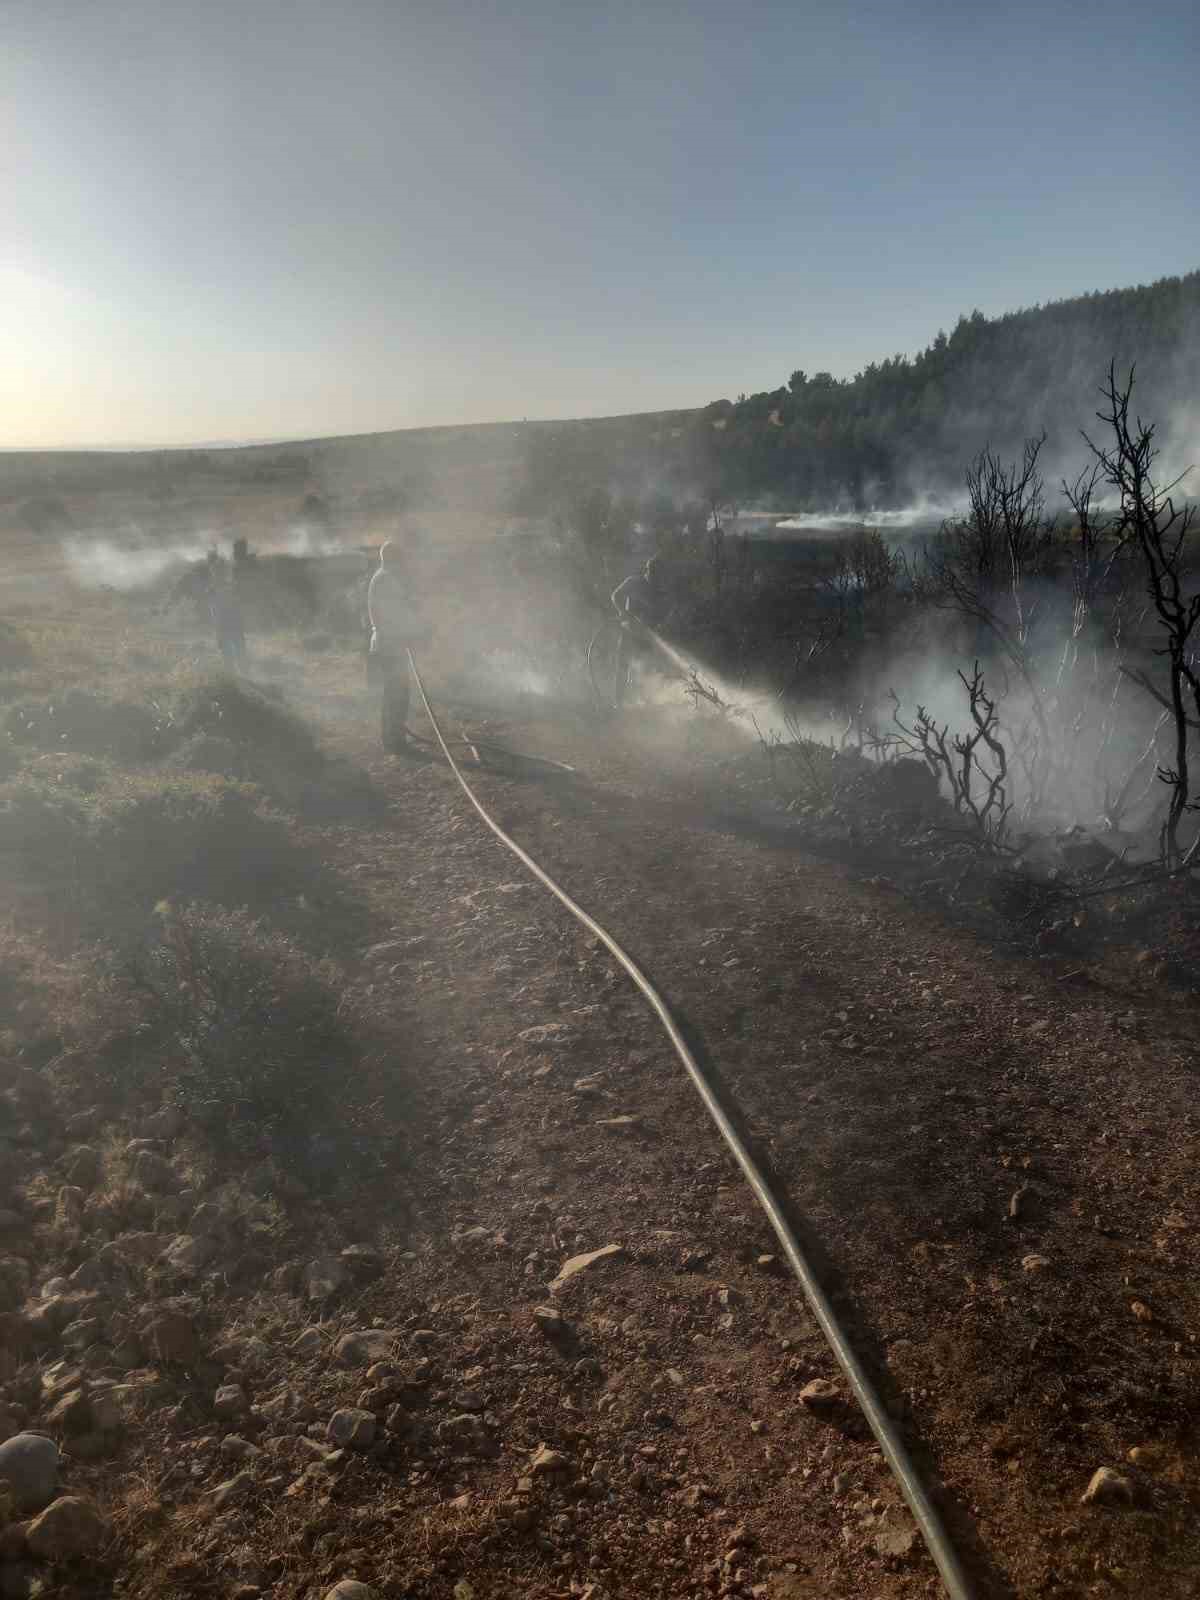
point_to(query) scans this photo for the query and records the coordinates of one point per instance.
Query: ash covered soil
(991, 1158)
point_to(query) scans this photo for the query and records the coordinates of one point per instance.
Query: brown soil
(940, 1118)
(991, 1159)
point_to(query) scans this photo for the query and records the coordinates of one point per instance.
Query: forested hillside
(905, 426)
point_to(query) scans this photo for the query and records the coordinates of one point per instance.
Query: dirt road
(993, 1161)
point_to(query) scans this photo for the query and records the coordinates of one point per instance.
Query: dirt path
(995, 1166)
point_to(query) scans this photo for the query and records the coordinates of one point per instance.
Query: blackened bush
(96, 724)
(246, 1031)
(106, 858)
(209, 752)
(252, 718)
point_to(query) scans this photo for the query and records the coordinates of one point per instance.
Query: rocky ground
(550, 1352)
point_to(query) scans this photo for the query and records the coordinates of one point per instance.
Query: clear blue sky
(279, 217)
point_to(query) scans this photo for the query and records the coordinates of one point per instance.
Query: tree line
(900, 427)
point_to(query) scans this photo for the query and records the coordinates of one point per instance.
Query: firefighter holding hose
(394, 627)
(637, 602)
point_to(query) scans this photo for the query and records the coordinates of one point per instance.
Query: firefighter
(393, 628)
(226, 611)
(637, 602)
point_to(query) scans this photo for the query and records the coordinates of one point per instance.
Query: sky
(282, 218)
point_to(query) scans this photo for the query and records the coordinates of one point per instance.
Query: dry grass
(133, 780)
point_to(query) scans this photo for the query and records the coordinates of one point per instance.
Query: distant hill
(901, 428)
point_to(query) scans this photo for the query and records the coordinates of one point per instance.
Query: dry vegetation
(187, 1083)
(302, 1105)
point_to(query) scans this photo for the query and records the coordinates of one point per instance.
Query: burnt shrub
(247, 733)
(92, 723)
(247, 1034)
(103, 859)
(254, 1049)
(254, 720)
(209, 752)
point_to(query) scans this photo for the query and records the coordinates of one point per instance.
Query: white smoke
(99, 563)
(306, 541)
(104, 564)
(924, 512)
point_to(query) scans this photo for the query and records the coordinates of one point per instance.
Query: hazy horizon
(296, 221)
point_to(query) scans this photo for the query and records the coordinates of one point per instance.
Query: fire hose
(887, 1436)
(612, 627)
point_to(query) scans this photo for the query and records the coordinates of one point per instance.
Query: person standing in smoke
(637, 601)
(393, 627)
(226, 611)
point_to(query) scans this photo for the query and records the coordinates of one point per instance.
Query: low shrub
(250, 718)
(246, 1034)
(37, 992)
(77, 719)
(15, 650)
(104, 859)
(258, 1055)
(209, 752)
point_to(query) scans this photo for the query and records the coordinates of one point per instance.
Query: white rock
(1107, 1488)
(895, 1535)
(544, 1459)
(820, 1395)
(581, 1263)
